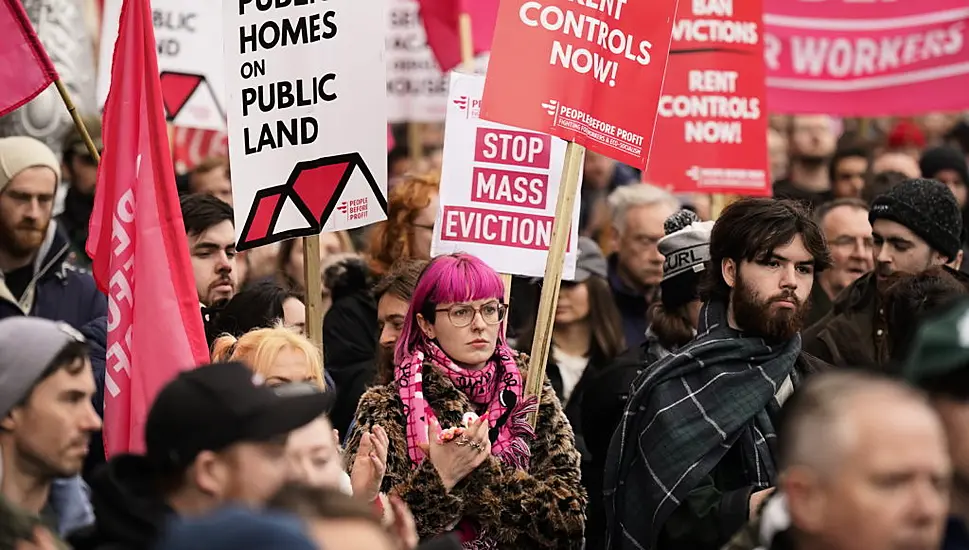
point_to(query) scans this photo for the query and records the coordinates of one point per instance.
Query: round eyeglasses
(462, 315)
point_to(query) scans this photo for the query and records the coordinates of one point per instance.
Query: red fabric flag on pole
(25, 69)
(441, 25)
(137, 240)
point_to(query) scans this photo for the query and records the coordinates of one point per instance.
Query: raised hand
(403, 528)
(457, 458)
(370, 464)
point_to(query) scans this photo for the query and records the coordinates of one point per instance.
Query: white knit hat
(686, 245)
(18, 153)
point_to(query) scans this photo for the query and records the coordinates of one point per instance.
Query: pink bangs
(458, 278)
(446, 280)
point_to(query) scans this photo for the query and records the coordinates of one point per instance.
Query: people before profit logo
(357, 209)
(462, 102)
(551, 107)
(693, 173)
(342, 207)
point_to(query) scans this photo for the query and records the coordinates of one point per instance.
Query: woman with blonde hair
(408, 231)
(280, 355)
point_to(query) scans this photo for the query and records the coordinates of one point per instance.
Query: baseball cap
(28, 346)
(590, 261)
(218, 405)
(939, 351)
(232, 528)
(75, 143)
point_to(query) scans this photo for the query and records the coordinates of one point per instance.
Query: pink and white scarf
(498, 386)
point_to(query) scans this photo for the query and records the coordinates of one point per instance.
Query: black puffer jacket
(349, 338)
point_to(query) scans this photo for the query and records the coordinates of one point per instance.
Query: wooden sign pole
(314, 290)
(719, 201)
(561, 227)
(78, 122)
(466, 37)
(414, 145)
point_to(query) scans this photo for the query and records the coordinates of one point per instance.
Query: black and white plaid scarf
(684, 413)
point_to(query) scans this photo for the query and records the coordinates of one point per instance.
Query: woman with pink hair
(462, 454)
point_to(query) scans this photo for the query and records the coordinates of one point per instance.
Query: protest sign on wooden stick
(314, 290)
(597, 94)
(565, 202)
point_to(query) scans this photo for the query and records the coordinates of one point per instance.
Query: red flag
(25, 69)
(138, 244)
(441, 25)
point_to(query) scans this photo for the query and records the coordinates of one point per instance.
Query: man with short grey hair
(864, 464)
(636, 267)
(848, 232)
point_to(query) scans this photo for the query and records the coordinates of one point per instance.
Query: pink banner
(866, 58)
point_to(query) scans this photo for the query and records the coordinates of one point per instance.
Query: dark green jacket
(18, 525)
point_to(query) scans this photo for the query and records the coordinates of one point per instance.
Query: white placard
(307, 106)
(498, 189)
(416, 87)
(188, 37)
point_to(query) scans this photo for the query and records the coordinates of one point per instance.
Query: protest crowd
(781, 369)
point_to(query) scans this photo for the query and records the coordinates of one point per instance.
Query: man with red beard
(37, 276)
(916, 225)
(693, 457)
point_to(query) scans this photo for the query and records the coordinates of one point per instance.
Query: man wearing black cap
(76, 194)
(214, 435)
(915, 226)
(938, 362)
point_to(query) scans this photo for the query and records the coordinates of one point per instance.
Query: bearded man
(917, 225)
(37, 274)
(694, 456)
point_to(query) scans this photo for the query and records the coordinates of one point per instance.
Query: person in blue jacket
(37, 276)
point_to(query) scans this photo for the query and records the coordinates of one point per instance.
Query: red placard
(588, 71)
(711, 133)
(873, 58)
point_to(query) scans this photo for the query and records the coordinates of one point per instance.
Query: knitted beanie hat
(942, 158)
(20, 152)
(926, 207)
(686, 247)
